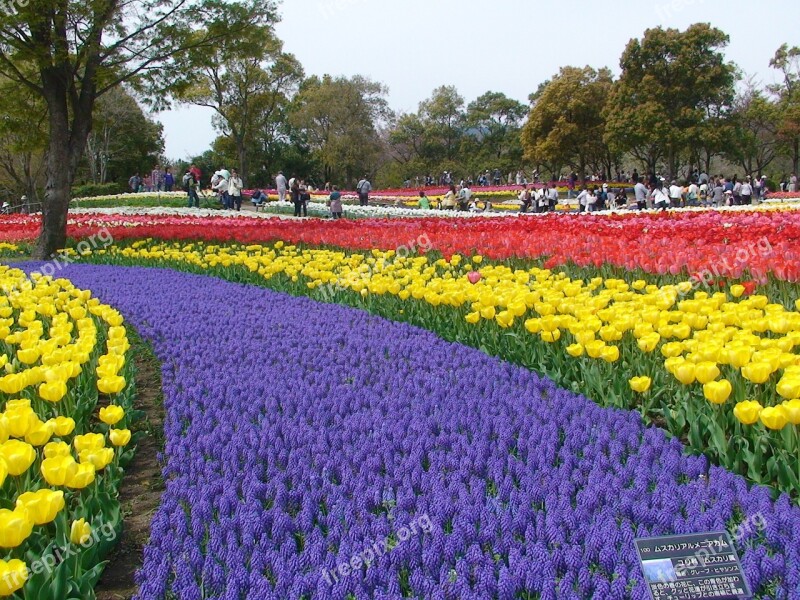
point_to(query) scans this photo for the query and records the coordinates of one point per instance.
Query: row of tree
(69, 70)
(677, 105)
(674, 108)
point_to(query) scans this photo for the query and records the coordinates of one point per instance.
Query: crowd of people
(158, 180)
(593, 194)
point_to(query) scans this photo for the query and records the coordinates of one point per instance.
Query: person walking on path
(190, 187)
(157, 179)
(335, 203)
(221, 187)
(281, 185)
(169, 179)
(294, 190)
(363, 188)
(235, 186)
(134, 183)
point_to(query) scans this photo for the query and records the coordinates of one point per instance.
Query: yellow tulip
(99, 458)
(116, 383)
(647, 343)
(80, 532)
(63, 426)
(737, 290)
(748, 411)
(28, 355)
(111, 414)
(792, 408)
(595, 348)
(504, 318)
(550, 336)
(685, 373)
(58, 470)
(20, 420)
(3, 472)
(15, 527)
(610, 354)
(42, 506)
(19, 456)
(584, 337)
(83, 477)
(672, 349)
(757, 372)
(40, 434)
(53, 391)
(640, 384)
(89, 441)
(774, 417)
(575, 350)
(717, 392)
(488, 312)
(533, 325)
(739, 356)
(13, 575)
(706, 371)
(473, 317)
(57, 449)
(789, 387)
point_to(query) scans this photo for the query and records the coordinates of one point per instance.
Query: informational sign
(692, 567)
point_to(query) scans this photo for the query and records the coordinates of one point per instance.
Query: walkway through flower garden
(302, 438)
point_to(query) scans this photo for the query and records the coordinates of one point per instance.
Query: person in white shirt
(583, 199)
(552, 198)
(641, 196)
(363, 188)
(221, 187)
(675, 194)
(282, 185)
(235, 186)
(660, 197)
(704, 194)
(746, 192)
(692, 194)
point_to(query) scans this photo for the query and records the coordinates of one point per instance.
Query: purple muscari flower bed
(304, 440)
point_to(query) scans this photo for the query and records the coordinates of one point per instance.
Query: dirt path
(142, 485)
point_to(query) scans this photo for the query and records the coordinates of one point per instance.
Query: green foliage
(566, 124)
(247, 80)
(97, 189)
(673, 86)
(338, 119)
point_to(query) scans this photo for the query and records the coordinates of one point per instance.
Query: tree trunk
(56, 197)
(67, 142)
(241, 149)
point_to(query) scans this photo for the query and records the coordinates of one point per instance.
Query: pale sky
(508, 46)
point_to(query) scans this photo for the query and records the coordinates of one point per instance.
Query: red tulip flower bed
(725, 244)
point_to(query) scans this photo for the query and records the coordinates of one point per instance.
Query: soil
(142, 484)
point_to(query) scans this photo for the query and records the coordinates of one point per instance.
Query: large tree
(787, 61)
(494, 120)
(71, 52)
(340, 118)
(755, 122)
(671, 82)
(245, 80)
(23, 139)
(444, 119)
(565, 124)
(123, 139)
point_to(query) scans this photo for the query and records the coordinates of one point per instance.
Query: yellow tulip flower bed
(63, 354)
(714, 367)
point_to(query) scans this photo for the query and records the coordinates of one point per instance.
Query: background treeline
(677, 105)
